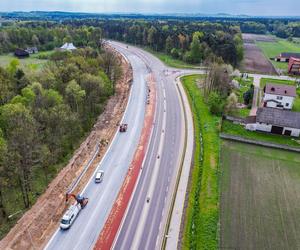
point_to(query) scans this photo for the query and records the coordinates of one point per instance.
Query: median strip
(111, 227)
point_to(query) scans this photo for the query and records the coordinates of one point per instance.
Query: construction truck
(73, 211)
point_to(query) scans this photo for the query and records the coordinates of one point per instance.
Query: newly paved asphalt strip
(90, 221)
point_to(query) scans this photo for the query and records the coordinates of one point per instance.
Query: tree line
(192, 42)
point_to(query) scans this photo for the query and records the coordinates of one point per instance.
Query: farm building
(276, 121)
(279, 96)
(68, 47)
(21, 53)
(294, 66)
(285, 57)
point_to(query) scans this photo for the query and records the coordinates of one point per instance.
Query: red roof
(280, 89)
(293, 64)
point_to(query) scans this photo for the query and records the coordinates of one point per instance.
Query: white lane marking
(97, 168)
(146, 207)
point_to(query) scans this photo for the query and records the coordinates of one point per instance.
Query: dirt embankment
(38, 224)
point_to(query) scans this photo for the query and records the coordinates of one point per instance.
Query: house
(68, 47)
(279, 96)
(276, 121)
(285, 57)
(32, 50)
(294, 66)
(21, 53)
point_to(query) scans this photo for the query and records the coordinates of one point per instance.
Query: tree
(215, 103)
(19, 128)
(248, 95)
(169, 44)
(231, 103)
(4, 178)
(75, 95)
(196, 49)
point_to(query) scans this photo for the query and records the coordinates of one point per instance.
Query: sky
(247, 7)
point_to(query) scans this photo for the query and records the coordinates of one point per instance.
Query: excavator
(80, 199)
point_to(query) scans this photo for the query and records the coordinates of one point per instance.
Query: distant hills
(59, 15)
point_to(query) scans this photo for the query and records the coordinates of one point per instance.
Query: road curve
(86, 228)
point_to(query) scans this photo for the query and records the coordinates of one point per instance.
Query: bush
(215, 103)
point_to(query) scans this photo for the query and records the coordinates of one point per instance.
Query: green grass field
(202, 213)
(260, 203)
(273, 49)
(264, 81)
(33, 62)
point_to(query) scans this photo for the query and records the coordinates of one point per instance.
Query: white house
(279, 96)
(68, 46)
(276, 121)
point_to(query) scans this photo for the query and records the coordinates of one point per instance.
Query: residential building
(279, 96)
(276, 121)
(68, 47)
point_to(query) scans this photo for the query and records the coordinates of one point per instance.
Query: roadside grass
(170, 61)
(239, 130)
(264, 81)
(259, 198)
(202, 213)
(273, 49)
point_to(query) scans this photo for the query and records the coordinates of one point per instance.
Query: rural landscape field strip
(260, 199)
(201, 225)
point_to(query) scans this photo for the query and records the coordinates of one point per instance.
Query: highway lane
(86, 228)
(143, 225)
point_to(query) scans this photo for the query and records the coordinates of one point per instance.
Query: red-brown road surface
(110, 230)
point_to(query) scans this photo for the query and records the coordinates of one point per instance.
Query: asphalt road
(143, 226)
(86, 228)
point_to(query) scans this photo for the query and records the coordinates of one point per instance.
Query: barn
(285, 57)
(275, 121)
(294, 66)
(21, 53)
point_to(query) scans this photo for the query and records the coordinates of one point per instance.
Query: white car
(70, 216)
(99, 176)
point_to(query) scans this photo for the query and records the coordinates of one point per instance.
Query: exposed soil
(38, 224)
(255, 61)
(252, 38)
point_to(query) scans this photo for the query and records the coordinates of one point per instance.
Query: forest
(45, 114)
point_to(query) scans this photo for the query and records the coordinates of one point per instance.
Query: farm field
(273, 49)
(255, 61)
(260, 200)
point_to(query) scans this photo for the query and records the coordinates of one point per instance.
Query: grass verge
(239, 130)
(170, 61)
(202, 213)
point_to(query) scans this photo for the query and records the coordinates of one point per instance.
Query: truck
(73, 211)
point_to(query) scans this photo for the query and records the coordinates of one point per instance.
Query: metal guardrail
(86, 167)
